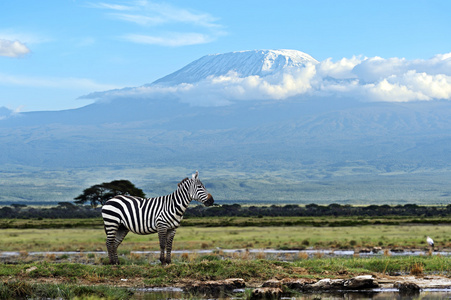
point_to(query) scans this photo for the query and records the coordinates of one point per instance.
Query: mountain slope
(296, 151)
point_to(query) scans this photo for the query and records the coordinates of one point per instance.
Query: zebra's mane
(183, 181)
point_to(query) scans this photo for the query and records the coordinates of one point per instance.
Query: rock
(235, 283)
(397, 250)
(328, 284)
(361, 282)
(364, 250)
(266, 293)
(376, 249)
(407, 287)
(31, 269)
(216, 287)
(297, 284)
(273, 283)
(356, 283)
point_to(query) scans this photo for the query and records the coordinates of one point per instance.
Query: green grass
(206, 268)
(385, 265)
(21, 289)
(50, 223)
(231, 237)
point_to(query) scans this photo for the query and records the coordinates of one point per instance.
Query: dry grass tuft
(94, 277)
(260, 255)
(135, 256)
(302, 255)
(50, 257)
(184, 256)
(190, 257)
(246, 255)
(416, 269)
(23, 254)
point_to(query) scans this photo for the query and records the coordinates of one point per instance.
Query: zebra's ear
(196, 176)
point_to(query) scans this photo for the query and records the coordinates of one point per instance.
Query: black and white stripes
(122, 214)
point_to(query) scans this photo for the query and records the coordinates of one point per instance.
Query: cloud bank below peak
(361, 78)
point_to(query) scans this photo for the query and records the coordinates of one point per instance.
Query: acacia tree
(100, 193)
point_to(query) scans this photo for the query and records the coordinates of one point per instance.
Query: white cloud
(424, 86)
(139, 19)
(223, 90)
(11, 34)
(152, 13)
(56, 83)
(338, 70)
(170, 39)
(13, 48)
(362, 78)
(187, 27)
(110, 6)
(401, 80)
(392, 80)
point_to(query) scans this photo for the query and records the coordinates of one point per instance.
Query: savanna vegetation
(232, 237)
(78, 228)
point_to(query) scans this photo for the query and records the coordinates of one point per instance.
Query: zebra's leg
(114, 239)
(112, 250)
(162, 233)
(169, 240)
(110, 231)
(120, 235)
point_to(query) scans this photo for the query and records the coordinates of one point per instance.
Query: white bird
(430, 241)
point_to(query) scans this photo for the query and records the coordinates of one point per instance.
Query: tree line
(315, 210)
(68, 210)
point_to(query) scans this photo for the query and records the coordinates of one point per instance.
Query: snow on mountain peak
(244, 63)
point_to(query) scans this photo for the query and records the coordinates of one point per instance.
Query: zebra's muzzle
(209, 201)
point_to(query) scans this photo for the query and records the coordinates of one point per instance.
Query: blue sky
(53, 52)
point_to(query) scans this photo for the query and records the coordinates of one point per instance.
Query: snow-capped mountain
(244, 63)
(298, 149)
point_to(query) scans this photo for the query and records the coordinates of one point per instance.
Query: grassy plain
(63, 276)
(232, 237)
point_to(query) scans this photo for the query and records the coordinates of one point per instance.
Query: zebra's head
(198, 192)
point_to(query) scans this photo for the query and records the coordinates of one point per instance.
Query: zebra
(161, 215)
